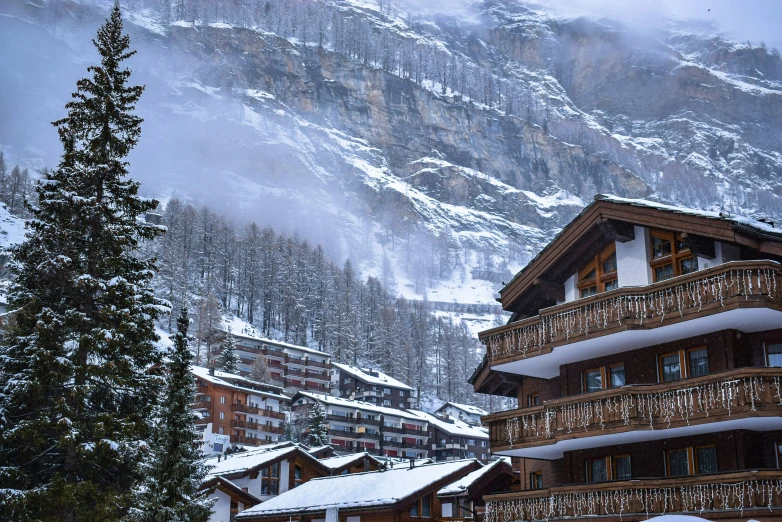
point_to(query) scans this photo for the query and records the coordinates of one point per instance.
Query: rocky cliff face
(376, 153)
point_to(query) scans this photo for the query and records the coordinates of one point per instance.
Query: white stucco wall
(221, 510)
(707, 263)
(632, 260)
(570, 288)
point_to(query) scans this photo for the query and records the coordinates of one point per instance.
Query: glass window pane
(586, 292)
(774, 352)
(598, 471)
(610, 285)
(699, 362)
(591, 275)
(593, 381)
(688, 265)
(426, 508)
(660, 247)
(663, 272)
(617, 376)
(622, 468)
(671, 367)
(609, 265)
(414, 510)
(678, 463)
(707, 459)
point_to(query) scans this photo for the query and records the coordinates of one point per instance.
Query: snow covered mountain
(445, 149)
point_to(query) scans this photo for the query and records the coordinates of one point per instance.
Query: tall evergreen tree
(76, 388)
(228, 360)
(176, 470)
(317, 431)
(259, 371)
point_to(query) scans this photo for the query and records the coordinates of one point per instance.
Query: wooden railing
(704, 292)
(744, 392)
(317, 364)
(246, 425)
(250, 440)
(243, 408)
(740, 493)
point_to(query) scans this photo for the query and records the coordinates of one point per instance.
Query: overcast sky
(754, 20)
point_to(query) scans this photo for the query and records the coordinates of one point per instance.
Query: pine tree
(76, 390)
(174, 475)
(318, 434)
(259, 371)
(228, 360)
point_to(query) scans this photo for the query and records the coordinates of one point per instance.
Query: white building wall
(632, 260)
(221, 510)
(708, 263)
(571, 292)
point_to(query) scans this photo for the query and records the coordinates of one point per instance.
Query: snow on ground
(11, 229)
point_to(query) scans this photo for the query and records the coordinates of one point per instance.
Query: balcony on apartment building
(353, 420)
(257, 426)
(742, 295)
(252, 441)
(201, 389)
(202, 402)
(744, 398)
(264, 412)
(744, 494)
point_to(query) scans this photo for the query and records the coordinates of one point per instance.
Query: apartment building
(644, 352)
(291, 367)
(246, 411)
(454, 439)
(356, 426)
(372, 386)
(464, 412)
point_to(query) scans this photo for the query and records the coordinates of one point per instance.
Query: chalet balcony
(317, 375)
(257, 426)
(742, 295)
(317, 364)
(243, 408)
(201, 389)
(252, 441)
(201, 402)
(745, 398)
(745, 494)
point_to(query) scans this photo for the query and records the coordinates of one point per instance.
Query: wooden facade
(645, 355)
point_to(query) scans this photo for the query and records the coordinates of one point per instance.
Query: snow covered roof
(326, 448)
(244, 330)
(231, 380)
(357, 405)
(239, 463)
(464, 483)
(457, 427)
(381, 379)
(334, 463)
(359, 490)
(472, 410)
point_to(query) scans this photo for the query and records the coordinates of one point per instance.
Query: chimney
(412, 462)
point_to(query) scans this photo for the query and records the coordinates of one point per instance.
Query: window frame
(696, 463)
(536, 480)
(688, 351)
(690, 469)
(614, 458)
(684, 363)
(601, 279)
(584, 380)
(418, 507)
(606, 462)
(675, 258)
(766, 354)
(608, 375)
(533, 399)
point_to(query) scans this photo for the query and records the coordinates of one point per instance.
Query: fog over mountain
(453, 143)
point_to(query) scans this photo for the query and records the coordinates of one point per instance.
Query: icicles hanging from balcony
(657, 408)
(696, 498)
(601, 314)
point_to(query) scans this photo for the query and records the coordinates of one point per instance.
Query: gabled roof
(232, 490)
(380, 380)
(355, 405)
(456, 427)
(238, 382)
(359, 491)
(467, 408)
(240, 464)
(476, 478)
(605, 213)
(322, 452)
(345, 461)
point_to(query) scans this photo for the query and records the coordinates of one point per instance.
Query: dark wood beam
(550, 289)
(699, 245)
(620, 231)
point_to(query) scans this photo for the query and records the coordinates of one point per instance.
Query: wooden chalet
(404, 494)
(463, 500)
(645, 355)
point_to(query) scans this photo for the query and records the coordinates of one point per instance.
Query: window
(220, 430)
(706, 459)
(592, 380)
(401, 393)
(375, 388)
(536, 480)
(346, 380)
(402, 404)
(600, 275)
(774, 354)
(621, 468)
(387, 391)
(597, 470)
(678, 462)
(386, 403)
(422, 507)
(691, 461)
(608, 468)
(670, 255)
(297, 476)
(684, 363)
(470, 442)
(270, 480)
(483, 443)
(483, 456)
(222, 414)
(533, 399)
(616, 375)
(222, 400)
